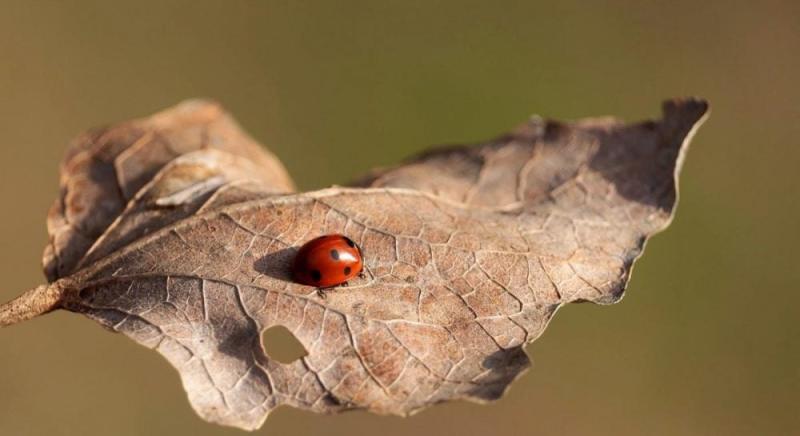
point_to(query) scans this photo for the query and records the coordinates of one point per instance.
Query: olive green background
(707, 339)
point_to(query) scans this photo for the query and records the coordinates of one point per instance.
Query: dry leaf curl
(178, 230)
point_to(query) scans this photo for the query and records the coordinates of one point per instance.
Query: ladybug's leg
(321, 293)
(345, 284)
(361, 274)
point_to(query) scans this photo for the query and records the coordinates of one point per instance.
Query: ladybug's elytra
(327, 261)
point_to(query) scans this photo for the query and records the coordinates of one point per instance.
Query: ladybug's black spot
(347, 270)
(316, 275)
(349, 242)
(335, 254)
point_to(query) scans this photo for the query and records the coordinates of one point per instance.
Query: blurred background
(707, 340)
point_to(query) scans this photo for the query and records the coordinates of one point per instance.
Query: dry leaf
(178, 230)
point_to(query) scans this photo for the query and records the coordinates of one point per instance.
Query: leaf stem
(32, 303)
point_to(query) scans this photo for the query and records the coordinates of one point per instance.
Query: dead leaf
(178, 231)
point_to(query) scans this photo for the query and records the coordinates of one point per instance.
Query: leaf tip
(690, 109)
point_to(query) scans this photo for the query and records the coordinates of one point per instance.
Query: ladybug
(327, 261)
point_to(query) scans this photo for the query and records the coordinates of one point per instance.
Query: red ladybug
(327, 261)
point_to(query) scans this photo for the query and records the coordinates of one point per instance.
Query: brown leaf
(178, 231)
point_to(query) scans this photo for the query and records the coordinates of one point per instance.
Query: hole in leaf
(281, 345)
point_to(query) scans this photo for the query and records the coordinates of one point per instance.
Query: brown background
(706, 341)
